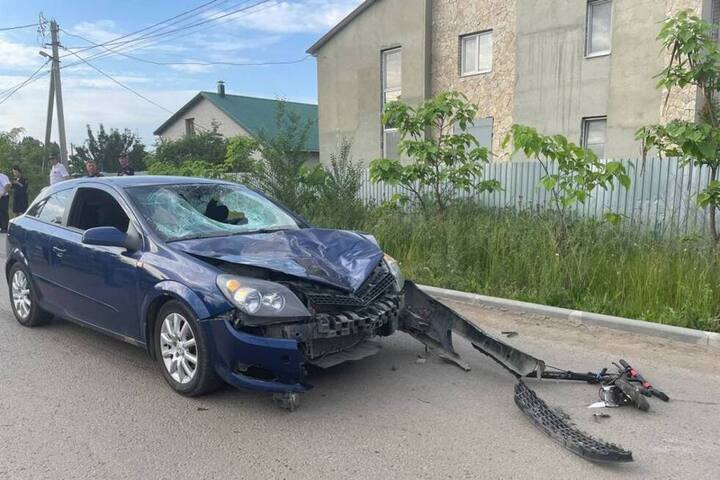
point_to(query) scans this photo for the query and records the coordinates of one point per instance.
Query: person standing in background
(5, 186)
(125, 168)
(58, 172)
(20, 191)
(91, 169)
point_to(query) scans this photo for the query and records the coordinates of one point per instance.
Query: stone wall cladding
(491, 92)
(682, 102)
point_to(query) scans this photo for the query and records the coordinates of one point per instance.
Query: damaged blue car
(220, 284)
(216, 281)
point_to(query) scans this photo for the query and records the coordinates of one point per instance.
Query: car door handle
(59, 251)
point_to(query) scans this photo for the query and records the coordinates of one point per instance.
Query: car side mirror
(110, 237)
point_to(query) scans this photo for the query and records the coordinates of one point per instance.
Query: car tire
(23, 300)
(183, 352)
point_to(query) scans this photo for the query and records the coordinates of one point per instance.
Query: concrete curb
(680, 334)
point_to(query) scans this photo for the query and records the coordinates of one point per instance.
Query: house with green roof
(235, 115)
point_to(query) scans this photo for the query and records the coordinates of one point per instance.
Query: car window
(93, 207)
(52, 209)
(179, 212)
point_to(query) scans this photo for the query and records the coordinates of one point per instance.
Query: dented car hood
(339, 258)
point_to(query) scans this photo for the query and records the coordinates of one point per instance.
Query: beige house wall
(540, 74)
(492, 92)
(205, 114)
(349, 75)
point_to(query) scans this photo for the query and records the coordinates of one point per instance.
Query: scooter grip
(660, 395)
(632, 392)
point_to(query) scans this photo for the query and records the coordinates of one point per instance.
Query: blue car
(216, 281)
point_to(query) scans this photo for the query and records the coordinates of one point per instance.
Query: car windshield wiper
(199, 236)
(262, 230)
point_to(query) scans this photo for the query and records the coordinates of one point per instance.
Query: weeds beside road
(594, 267)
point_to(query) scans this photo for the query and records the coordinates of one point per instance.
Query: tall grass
(522, 255)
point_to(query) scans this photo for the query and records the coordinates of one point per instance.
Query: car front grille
(379, 282)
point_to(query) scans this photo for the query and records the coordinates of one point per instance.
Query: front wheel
(23, 299)
(182, 351)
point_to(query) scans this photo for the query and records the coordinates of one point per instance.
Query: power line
(4, 29)
(161, 36)
(12, 90)
(181, 14)
(188, 62)
(129, 89)
(118, 82)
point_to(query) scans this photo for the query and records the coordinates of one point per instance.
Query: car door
(47, 221)
(102, 281)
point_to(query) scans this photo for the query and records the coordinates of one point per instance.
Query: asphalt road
(75, 404)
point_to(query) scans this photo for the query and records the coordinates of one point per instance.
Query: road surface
(75, 404)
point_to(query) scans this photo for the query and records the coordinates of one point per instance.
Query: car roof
(132, 181)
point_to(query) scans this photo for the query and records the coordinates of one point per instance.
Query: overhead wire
(18, 27)
(14, 89)
(189, 62)
(162, 36)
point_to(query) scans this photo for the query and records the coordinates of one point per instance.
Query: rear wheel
(23, 299)
(183, 351)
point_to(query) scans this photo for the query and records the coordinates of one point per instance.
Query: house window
(482, 130)
(189, 126)
(593, 135)
(391, 90)
(598, 28)
(476, 53)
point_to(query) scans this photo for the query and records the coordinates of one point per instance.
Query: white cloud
(19, 56)
(192, 69)
(91, 100)
(306, 16)
(98, 31)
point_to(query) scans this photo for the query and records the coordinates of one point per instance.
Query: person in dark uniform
(91, 169)
(125, 168)
(19, 191)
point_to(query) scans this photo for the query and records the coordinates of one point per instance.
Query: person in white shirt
(5, 187)
(58, 172)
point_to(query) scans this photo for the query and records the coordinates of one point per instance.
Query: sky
(266, 31)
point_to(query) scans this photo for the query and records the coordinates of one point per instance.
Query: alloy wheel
(21, 294)
(178, 348)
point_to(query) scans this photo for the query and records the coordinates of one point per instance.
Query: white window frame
(584, 132)
(384, 91)
(190, 126)
(589, 32)
(478, 70)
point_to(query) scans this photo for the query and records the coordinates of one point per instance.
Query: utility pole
(56, 94)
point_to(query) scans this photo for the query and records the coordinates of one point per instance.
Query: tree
(283, 158)
(26, 152)
(694, 61)
(579, 171)
(105, 148)
(204, 146)
(445, 157)
(241, 154)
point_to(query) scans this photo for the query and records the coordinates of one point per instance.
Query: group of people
(18, 186)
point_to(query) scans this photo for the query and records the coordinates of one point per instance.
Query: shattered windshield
(186, 211)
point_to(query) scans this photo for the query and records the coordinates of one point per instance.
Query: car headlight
(394, 268)
(261, 298)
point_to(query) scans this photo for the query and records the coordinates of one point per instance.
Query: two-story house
(581, 68)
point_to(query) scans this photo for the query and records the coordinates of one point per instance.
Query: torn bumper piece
(433, 323)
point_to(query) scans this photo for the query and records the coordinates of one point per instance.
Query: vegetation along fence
(662, 197)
